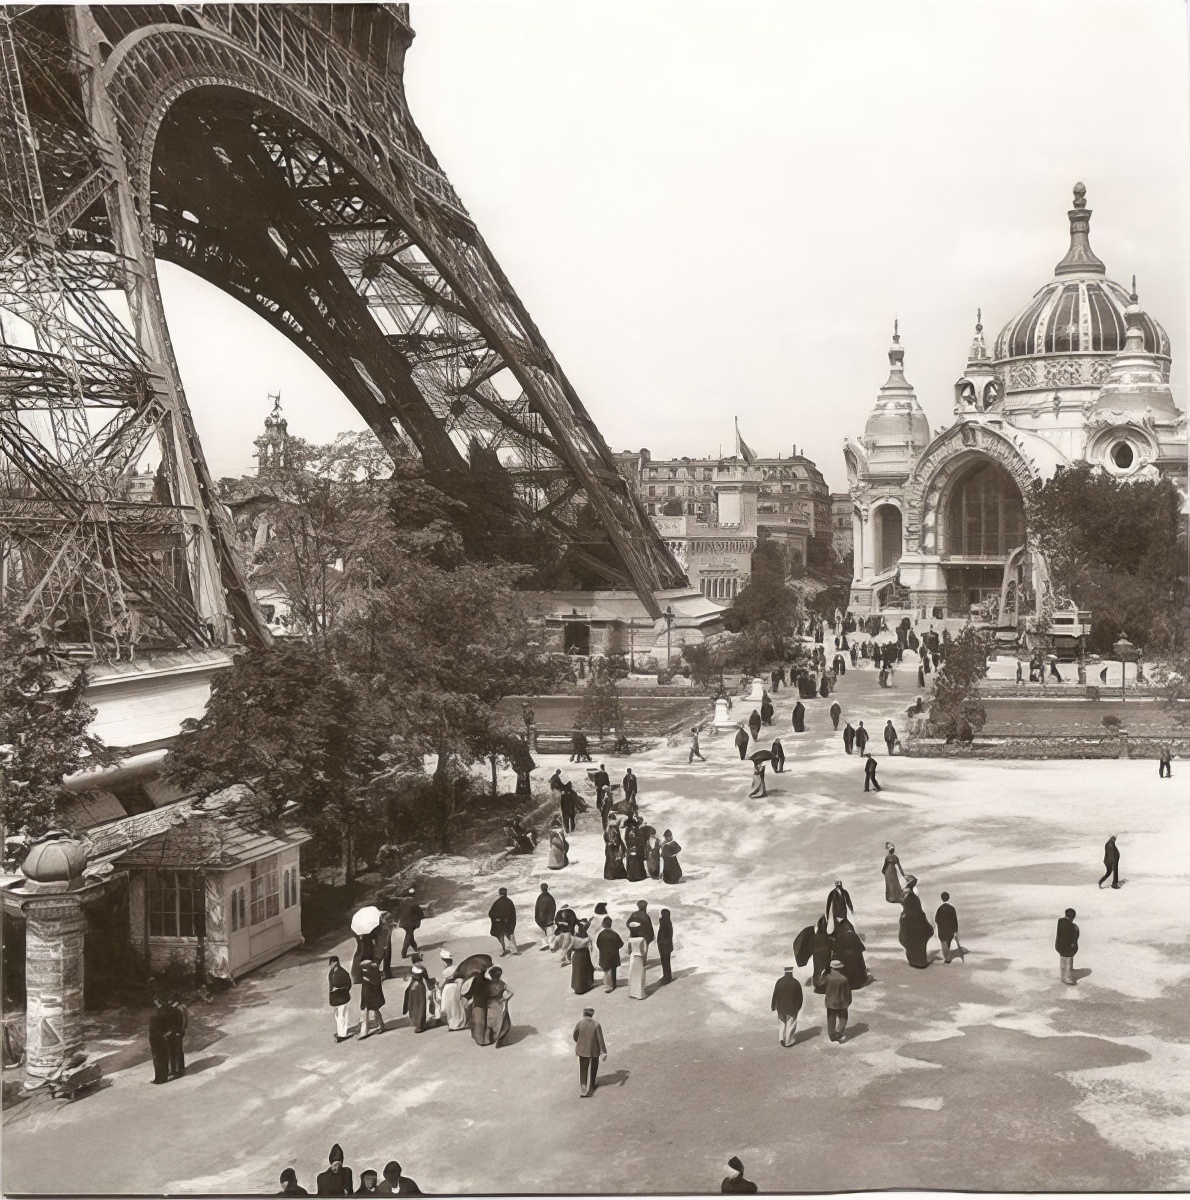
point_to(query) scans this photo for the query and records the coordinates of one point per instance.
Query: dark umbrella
(647, 831)
(759, 756)
(803, 946)
(472, 965)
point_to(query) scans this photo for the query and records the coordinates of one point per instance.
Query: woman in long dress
(636, 968)
(916, 929)
(671, 869)
(582, 969)
(634, 862)
(477, 990)
(893, 892)
(821, 949)
(499, 994)
(451, 998)
(653, 856)
(416, 1002)
(665, 944)
(559, 847)
(613, 852)
(849, 950)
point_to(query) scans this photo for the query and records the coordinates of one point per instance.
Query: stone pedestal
(53, 981)
(756, 695)
(722, 718)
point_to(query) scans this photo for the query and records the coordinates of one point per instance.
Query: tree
(287, 722)
(601, 709)
(765, 613)
(707, 662)
(955, 711)
(44, 724)
(1112, 545)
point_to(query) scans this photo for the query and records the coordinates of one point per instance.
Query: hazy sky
(715, 210)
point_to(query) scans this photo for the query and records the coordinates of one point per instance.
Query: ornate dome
(1080, 311)
(897, 419)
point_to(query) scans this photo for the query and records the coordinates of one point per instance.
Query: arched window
(985, 514)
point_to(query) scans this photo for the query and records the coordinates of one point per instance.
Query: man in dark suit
(1066, 944)
(568, 804)
(1111, 860)
(602, 781)
(870, 783)
(590, 1048)
(609, 944)
(160, 1021)
(502, 914)
(410, 921)
(544, 912)
(848, 737)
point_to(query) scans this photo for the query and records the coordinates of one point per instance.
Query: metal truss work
(268, 149)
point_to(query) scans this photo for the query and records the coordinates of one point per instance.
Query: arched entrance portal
(887, 536)
(983, 523)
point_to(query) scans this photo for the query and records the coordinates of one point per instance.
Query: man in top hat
(787, 1003)
(590, 1048)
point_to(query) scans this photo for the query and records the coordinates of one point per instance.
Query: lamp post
(1125, 651)
(669, 624)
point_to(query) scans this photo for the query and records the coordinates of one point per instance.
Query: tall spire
(979, 351)
(1080, 258)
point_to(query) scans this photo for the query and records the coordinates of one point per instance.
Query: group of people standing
(167, 1038)
(337, 1180)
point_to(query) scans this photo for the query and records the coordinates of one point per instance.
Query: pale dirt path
(987, 1075)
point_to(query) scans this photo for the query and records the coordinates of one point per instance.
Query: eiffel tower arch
(270, 150)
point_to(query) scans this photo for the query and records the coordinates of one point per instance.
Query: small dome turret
(897, 426)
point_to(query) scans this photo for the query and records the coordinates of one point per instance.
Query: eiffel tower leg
(218, 584)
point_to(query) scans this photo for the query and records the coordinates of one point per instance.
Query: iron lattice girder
(373, 266)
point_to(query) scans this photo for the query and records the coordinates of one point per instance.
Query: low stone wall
(1041, 747)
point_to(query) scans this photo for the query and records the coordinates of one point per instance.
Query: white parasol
(365, 920)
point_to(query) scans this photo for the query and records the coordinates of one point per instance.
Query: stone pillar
(857, 546)
(53, 981)
(756, 695)
(722, 718)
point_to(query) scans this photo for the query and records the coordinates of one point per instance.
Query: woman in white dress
(636, 968)
(450, 996)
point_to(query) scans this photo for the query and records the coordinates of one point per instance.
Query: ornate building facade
(1080, 374)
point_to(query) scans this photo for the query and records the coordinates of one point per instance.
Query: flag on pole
(742, 448)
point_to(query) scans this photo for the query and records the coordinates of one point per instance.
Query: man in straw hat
(838, 1001)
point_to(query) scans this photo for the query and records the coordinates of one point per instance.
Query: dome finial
(896, 329)
(1080, 258)
(979, 320)
(1133, 295)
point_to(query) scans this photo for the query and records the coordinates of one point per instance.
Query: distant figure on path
(838, 903)
(861, 737)
(371, 999)
(754, 724)
(416, 1001)
(1164, 764)
(848, 948)
(499, 994)
(179, 1022)
(671, 869)
(799, 717)
(609, 944)
(735, 1182)
(890, 736)
(758, 787)
(848, 737)
(559, 855)
(451, 994)
(543, 915)
(694, 750)
(915, 928)
(766, 710)
(836, 712)
(640, 925)
(502, 914)
(410, 919)
(1111, 860)
(870, 783)
(778, 753)
(582, 969)
(602, 781)
(590, 1048)
(891, 869)
(1066, 944)
(630, 786)
(339, 985)
(741, 742)
(820, 949)
(838, 1001)
(568, 808)
(947, 922)
(637, 949)
(159, 1023)
(336, 1179)
(665, 945)
(653, 856)
(787, 1003)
